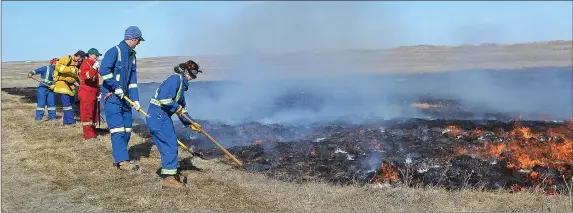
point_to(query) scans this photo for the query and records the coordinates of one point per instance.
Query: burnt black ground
(347, 154)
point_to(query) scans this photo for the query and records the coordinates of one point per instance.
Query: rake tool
(41, 82)
(178, 141)
(213, 140)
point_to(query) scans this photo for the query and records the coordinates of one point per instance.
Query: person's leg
(163, 135)
(94, 115)
(114, 118)
(67, 102)
(40, 107)
(86, 114)
(51, 105)
(72, 113)
(127, 123)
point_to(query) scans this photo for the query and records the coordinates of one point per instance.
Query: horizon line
(353, 50)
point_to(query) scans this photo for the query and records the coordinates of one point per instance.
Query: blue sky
(42, 30)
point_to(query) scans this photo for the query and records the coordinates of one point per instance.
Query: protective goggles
(195, 72)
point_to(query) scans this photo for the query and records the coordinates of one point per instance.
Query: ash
(452, 154)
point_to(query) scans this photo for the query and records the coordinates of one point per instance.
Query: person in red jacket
(88, 92)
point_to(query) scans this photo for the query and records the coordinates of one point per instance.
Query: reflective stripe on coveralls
(108, 76)
(156, 102)
(47, 78)
(120, 129)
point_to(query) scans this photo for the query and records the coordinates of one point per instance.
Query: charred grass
(49, 167)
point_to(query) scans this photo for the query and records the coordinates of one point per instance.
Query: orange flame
(524, 149)
(478, 131)
(463, 151)
(454, 130)
(388, 172)
(259, 141)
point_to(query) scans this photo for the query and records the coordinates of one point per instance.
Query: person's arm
(62, 68)
(89, 70)
(106, 70)
(84, 69)
(40, 70)
(183, 104)
(167, 92)
(133, 89)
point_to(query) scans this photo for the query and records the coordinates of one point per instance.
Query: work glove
(179, 110)
(137, 106)
(96, 65)
(196, 129)
(29, 75)
(119, 93)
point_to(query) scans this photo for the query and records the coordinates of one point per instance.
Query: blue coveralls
(68, 102)
(168, 97)
(118, 70)
(45, 95)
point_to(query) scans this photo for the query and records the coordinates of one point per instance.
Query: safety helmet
(189, 67)
(54, 60)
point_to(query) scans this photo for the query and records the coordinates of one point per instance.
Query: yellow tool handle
(213, 140)
(200, 129)
(184, 147)
(133, 104)
(144, 113)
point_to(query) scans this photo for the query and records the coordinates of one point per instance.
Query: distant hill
(407, 59)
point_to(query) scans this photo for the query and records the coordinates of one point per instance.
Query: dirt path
(48, 167)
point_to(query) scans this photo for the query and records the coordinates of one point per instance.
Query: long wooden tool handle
(213, 140)
(144, 113)
(133, 104)
(184, 147)
(40, 81)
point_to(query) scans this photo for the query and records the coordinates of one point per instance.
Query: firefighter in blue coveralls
(119, 76)
(45, 93)
(169, 99)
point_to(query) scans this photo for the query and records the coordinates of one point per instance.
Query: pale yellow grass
(425, 105)
(48, 167)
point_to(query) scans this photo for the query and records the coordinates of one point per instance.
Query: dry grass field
(48, 167)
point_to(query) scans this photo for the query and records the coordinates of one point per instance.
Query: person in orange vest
(66, 75)
(88, 92)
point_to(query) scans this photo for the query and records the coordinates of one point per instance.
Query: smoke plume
(291, 64)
